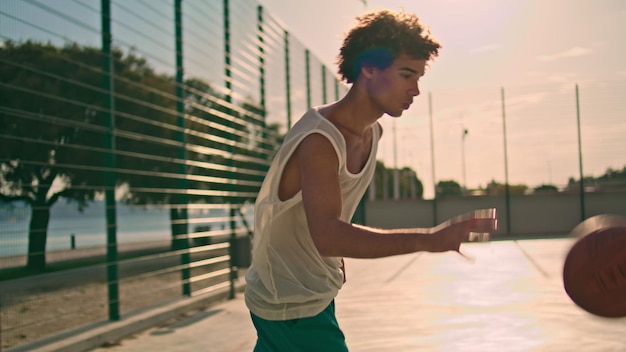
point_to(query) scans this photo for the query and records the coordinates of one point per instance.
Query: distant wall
(541, 214)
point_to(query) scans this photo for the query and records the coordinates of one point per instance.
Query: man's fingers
(479, 225)
(483, 225)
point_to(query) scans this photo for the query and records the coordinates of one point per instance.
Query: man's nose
(415, 91)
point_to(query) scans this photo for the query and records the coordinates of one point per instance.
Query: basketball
(594, 273)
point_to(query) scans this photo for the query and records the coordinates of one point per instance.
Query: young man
(303, 210)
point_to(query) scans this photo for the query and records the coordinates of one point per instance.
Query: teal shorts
(314, 334)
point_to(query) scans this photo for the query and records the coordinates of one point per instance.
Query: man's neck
(354, 113)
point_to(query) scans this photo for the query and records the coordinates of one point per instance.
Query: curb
(96, 335)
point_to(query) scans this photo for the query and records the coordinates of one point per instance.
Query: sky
(531, 52)
(507, 74)
(486, 42)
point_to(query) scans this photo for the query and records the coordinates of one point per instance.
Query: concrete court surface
(510, 299)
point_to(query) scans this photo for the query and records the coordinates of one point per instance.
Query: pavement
(510, 298)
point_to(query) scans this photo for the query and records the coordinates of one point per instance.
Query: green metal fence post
(324, 100)
(228, 77)
(229, 100)
(261, 48)
(507, 196)
(182, 153)
(307, 63)
(261, 39)
(580, 159)
(110, 162)
(287, 80)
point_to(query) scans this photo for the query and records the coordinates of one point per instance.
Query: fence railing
(133, 139)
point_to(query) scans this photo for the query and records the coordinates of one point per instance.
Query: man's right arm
(321, 194)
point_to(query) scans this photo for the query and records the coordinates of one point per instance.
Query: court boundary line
(531, 260)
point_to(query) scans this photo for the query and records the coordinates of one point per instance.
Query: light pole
(463, 135)
(396, 176)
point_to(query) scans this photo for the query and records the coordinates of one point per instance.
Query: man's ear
(368, 71)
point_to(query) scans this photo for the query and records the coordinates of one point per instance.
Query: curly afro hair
(381, 36)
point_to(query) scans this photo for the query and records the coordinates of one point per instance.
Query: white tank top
(288, 278)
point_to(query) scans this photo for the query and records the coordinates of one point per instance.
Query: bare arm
(321, 195)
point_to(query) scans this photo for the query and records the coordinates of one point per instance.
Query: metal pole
(385, 185)
(507, 199)
(432, 157)
(261, 38)
(463, 135)
(229, 99)
(307, 62)
(287, 80)
(227, 68)
(580, 159)
(324, 100)
(396, 176)
(182, 182)
(110, 162)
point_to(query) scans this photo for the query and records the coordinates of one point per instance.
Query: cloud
(572, 52)
(562, 77)
(484, 48)
(523, 101)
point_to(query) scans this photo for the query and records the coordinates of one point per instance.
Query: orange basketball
(594, 273)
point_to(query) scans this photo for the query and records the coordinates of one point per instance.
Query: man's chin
(395, 114)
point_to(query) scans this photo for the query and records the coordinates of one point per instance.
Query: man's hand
(449, 235)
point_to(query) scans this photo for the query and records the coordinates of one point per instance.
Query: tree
(448, 188)
(613, 174)
(409, 183)
(499, 189)
(53, 128)
(410, 186)
(546, 189)
(612, 180)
